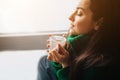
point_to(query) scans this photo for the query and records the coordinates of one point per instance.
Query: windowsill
(32, 33)
(26, 41)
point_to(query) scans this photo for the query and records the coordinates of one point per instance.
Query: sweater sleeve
(61, 73)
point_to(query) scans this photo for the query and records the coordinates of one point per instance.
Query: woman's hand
(59, 55)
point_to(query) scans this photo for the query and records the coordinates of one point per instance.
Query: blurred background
(24, 29)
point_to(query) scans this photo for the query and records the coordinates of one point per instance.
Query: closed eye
(79, 12)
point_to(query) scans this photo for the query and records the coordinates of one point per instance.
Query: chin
(72, 32)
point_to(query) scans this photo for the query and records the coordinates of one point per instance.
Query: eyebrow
(80, 8)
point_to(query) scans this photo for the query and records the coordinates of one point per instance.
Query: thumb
(61, 49)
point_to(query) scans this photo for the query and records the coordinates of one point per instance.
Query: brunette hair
(104, 45)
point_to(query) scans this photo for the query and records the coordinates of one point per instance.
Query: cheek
(84, 26)
(81, 26)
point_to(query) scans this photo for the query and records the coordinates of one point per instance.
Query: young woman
(92, 47)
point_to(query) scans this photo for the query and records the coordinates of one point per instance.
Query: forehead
(84, 4)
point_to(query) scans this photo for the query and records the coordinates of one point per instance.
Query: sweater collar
(73, 38)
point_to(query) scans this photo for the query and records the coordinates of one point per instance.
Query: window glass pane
(35, 15)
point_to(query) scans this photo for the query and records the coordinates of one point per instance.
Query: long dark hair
(104, 45)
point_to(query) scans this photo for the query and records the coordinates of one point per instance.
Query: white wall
(35, 15)
(20, 65)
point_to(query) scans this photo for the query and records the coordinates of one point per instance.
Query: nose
(72, 17)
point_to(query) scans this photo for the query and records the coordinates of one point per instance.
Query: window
(24, 16)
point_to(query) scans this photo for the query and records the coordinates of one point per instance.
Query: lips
(71, 25)
(71, 28)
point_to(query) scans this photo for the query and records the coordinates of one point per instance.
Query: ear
(98, 24)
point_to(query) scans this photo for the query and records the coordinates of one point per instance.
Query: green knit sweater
(110, 72)
(62, 73)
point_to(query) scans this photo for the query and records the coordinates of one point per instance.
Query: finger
(51, 57)
(48, 57)
(60, 47)
(48, 41)
(47, 50)
(62, 50)
(48, 46)
(65, 35)
(56, 56)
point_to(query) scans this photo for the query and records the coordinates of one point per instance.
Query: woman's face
(81, 19)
